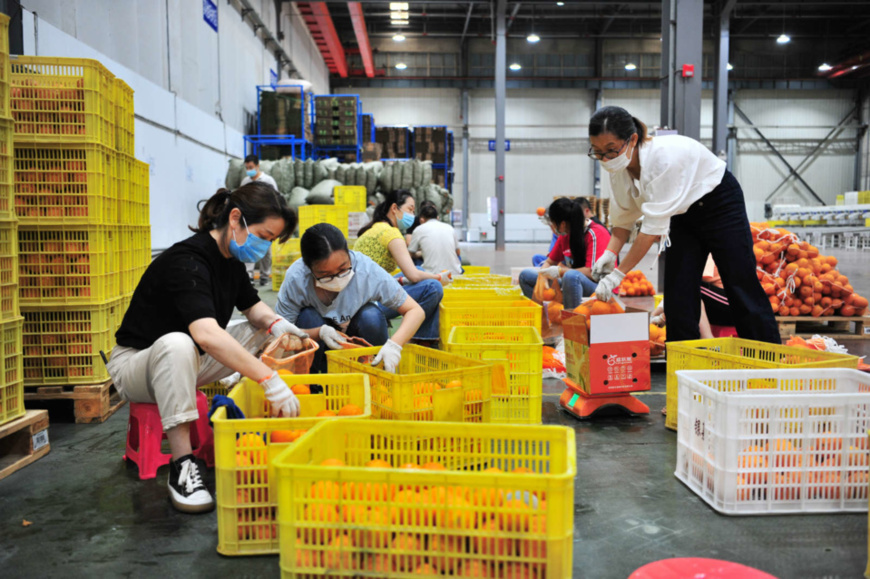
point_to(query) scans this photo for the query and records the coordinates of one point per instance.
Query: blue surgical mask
(252, 250)
(251, 173)
(406, 222)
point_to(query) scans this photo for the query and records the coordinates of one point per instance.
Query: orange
(410, 466)
(549, 295)
(489, 543)
(285, 373)
(369, 532)
(522, 470)
(541, 211)
(325, 413)
(300, 389)
(406, 509)
(283, 436)
(425, 569)
(379, 564)
(353, 514)
(305, 556)
(598, 308)
(433, 466)
(752, 457)
(333, 462)
(318, 514)
(250, 441)
(443, 551)
(404, 548)
(350, 410)
(535, 548)
(515, 516)
(518, 571)
(476, 569)
(325, 490)
(340, 554)
(378, 463)
(453, 384)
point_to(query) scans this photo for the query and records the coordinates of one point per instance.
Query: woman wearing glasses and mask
(694, 206)
(332, 290)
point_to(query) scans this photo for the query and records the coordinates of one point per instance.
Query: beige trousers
(169, 372)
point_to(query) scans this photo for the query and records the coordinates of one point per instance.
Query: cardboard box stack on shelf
(284, 114)
(394, 141)
(430, 144)
(335, 123)
(368, 125)
(82, 202)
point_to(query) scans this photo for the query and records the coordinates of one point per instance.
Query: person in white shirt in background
(436, 242)
(694, 206)
(253, 173)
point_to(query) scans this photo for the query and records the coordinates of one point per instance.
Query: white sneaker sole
(182, 505)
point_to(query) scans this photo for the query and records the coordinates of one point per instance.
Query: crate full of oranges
(635, 284)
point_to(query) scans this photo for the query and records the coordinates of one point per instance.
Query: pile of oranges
(635, 284)
(798, 280)
(597, 307)
(657, 338)
(826, 458)
(422, 530)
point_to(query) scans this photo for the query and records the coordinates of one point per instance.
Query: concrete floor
(92, 516)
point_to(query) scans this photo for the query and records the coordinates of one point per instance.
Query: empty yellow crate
(122, 102)
(482, 280)
(134, 255)
(311, 215)
(62, 100)
(475, 269)
(245, 478)
(738, 354)
(428, 384)
(351, 196)
(7, 210)
(11, 373)
(470, 293)
(498, 311)
(9, 270)
(390, 521)
(520, 352)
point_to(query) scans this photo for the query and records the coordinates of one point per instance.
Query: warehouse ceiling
(842, 23)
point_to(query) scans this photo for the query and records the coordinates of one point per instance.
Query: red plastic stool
(145, 436)
(723, 331)
(692, 568)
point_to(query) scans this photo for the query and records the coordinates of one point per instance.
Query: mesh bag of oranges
(635, 284)
(399, 499)
(245, 481)
(547, 290)
(657, 338)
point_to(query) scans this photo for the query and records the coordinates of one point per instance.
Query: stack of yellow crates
(11, 372)
(82, 202)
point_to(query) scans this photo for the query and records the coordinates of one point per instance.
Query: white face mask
(618, 164)
(335, 285)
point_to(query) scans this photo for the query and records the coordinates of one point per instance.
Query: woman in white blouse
(690, 202)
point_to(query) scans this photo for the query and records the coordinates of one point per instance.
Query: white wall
(188, 123)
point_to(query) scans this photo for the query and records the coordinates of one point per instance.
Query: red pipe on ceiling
(319, 22)
(362, 37)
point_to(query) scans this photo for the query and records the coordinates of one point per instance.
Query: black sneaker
(186, 489)
(265, 280)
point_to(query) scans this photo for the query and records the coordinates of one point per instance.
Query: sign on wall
(507, 145)
(210, 14)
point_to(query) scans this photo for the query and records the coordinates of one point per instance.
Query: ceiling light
(399, 37)
(630, 66)
(560, 3)
(783, 39)
(401, 66)
(516, 66)
(533, 38)
(399, 15)
(730, 67)
(825, 67)
(399, 22)
(398, 5)
(855, 67)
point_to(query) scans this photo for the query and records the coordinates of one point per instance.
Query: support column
(667, 106)
(596, 167)
(859, 137)
(720, 85)
(500, 72)
(465, 207)
(681, 99)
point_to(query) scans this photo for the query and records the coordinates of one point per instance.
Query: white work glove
(230, 380)
(331, 337)
(281, 326)
(605, 264)
(551, 272)
(658, 320)
(611, 281)
(284, 402)
(445, 278)
(390, 355)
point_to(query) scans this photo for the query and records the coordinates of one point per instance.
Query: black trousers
(716, 224)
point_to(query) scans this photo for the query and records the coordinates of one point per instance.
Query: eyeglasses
(609, 155)
(340, 275)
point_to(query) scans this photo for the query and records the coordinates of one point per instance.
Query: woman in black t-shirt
(175, 334)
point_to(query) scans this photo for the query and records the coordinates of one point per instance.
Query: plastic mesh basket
(775, 441)
(482, 280)
(124, 117)
(491, 312)
(9, 270)
(351, 196)
(482, 294)
(6, 166)
(311, 215)
(11, 377)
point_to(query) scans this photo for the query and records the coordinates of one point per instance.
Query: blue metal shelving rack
(301, 148)
(447, 165)
(450, 173)
(323, 151)
(409, 143)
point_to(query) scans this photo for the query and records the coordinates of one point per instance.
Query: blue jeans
(428, 294)
(368, 323)
(575, 286)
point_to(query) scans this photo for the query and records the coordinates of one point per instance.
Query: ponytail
(257, 201)
(564, 209)
(641, 130)
(397, 198)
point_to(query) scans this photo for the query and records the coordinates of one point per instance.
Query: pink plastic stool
(145, 436)
(723, 331)
(694, 568)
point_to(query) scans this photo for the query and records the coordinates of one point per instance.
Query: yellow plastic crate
(62, 100)
(9, 270)
(311, 215)
(69, 266)
(492, 312)
(138, 209)
(482, 280)
(483, 294)
(520, 352)
(353, 197)
(6, 166)
(336, 521)
(212, 390)
(134, 255)
(475, 269)
(418, 390)
(738, 354)
(4, 66)
(283, 256)
(122, 103)
(245, 479)
(12, 376)
(65, 185)
(62, 345)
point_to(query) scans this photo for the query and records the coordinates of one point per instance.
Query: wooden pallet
(22, 441)
(93, 402)
(852, 328)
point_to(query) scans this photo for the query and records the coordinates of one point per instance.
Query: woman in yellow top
(382, 241)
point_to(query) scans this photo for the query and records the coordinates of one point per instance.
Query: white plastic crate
(753, 442)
